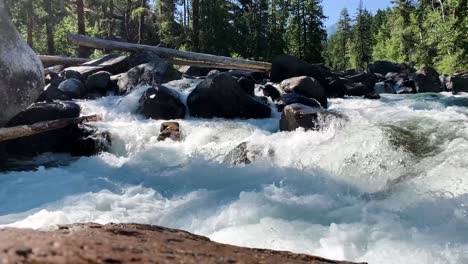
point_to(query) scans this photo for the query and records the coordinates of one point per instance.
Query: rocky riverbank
(131, 243)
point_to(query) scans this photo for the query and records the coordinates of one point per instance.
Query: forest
(419, 33)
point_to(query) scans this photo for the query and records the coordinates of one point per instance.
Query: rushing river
(389, 185)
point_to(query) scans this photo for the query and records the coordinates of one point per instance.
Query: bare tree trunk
(30, 25)
(110, 16)
(196, 25)
(49, 28)
(142, 22)
(82, 51)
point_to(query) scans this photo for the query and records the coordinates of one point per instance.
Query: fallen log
(48, 60)
(186, 57)
(9, 133)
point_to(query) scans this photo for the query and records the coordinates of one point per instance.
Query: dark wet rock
(368, 79)
(459, 83)
(427, 81)
(239, 155)
(310, 118)
(270, 91)
(213, 73)
(221, 96)
(306, 86)
(132, 243)
(285, 67)
(372, 96)
(113, 63)
(384, 67)
(52, 93)
(292, 98)
(21, 71)
(161, 102)
(248, 85)
(71, 74)
(252, 75)
(336, 88)
(99, 82)
(152, 73)
(356, 89)
(50, 77)
(196, 71)
(142, 58)
(79, 140)
(170, 130)
(72, 88)
(406, 87)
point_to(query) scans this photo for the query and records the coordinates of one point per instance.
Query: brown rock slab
(131, 243)
(170, 130)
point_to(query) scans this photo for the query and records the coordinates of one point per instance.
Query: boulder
(253, 75)
(195, 71)
(309, 118)
(72, 88)
(356, 89)
(99, 82)
(270, 91)
(284, 67)
(459, 83)
(221, 96)
(170, 130)
(152, 73)
(142, 58)
(112, 63)
(368, 79)
(306, 86)
(239, 155)
(51, 92)
(292, 98)
(427, 81)
(248, 85)
(50, 77)
(161, 102)
(335, 88)
(79, 140)
(71, 74)
(384, 67)
(21, 71)
(406, 87)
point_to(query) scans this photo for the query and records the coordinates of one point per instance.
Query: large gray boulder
(306, 86)
(21, 71)
(309, 118)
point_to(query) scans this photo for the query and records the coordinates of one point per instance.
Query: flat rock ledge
(130, 243)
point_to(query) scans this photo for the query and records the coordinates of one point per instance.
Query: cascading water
(389, 185)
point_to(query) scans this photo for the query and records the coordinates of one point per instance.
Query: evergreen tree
(363, 38)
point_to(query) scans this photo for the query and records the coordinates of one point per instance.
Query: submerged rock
(132, 243)
(310, 118)
(152, 73)
(170, 130)
(292, 98)
(221, 96)
(306, 86)
(79, 140)
(427, 81)
(161, 102)
(239, 155)
(21, 71)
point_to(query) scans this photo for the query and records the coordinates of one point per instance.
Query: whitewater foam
(358, 191)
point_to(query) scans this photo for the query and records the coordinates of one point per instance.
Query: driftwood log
(174, 56)
(48, 60)
(9, 133)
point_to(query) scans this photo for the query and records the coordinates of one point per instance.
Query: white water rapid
(388, 186)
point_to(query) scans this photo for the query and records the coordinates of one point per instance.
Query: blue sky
(332, 8)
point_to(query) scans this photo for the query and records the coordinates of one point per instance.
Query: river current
(388, 185)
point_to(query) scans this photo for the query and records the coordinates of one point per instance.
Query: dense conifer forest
(423, 32)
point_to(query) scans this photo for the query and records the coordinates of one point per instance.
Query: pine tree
(363, 39)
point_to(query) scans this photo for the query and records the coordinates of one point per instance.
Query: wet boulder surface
(427, 81)
(160, 102)
(306, 86)
(221, 96)
(132, 243)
